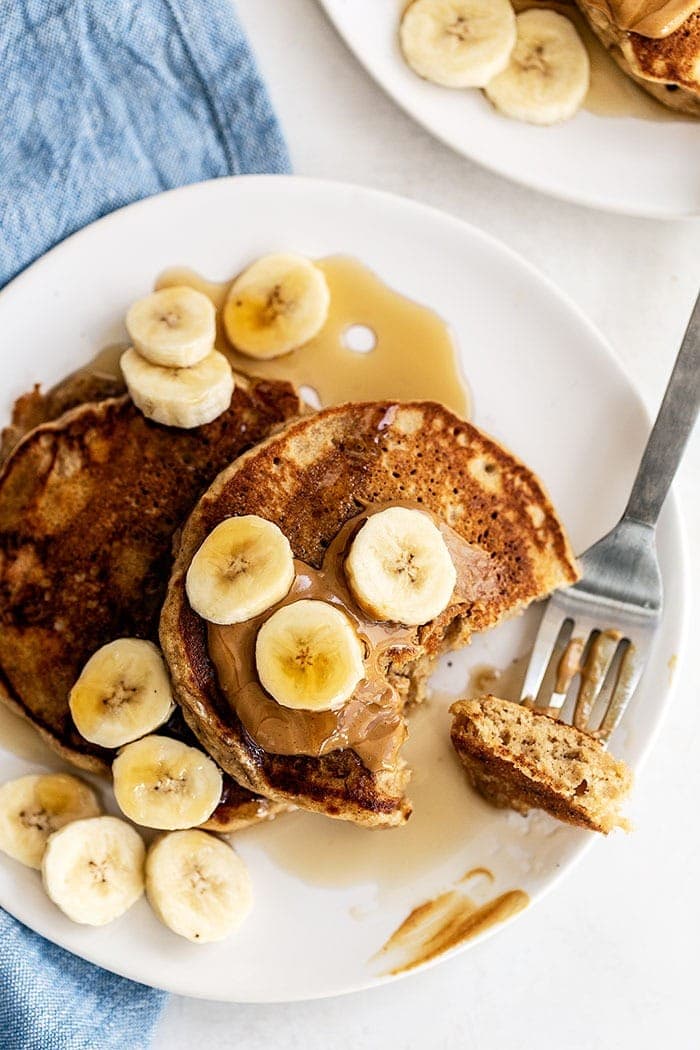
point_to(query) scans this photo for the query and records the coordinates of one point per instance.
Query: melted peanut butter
(650, 18)
(371, 723)
(414, 354)
(19, 737)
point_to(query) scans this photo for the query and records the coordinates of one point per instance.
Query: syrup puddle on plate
(375, 344)
(446, 815)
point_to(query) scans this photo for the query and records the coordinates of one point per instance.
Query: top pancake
(89, 504)
(310, 479)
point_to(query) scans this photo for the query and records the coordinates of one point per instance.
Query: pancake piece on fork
(666, 67)
(317, 480)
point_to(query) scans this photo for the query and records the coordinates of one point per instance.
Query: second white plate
(619, 163)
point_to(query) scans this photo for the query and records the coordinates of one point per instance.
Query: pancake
(522, 759)
(667, 68)
(313, 478)
(89, 504)
(34, 408)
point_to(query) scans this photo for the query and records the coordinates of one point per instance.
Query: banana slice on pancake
(197, 885)
(173, 327)
(162, 783)
(399, 568)
(33, 807)
(179, 397)
(93, 870)
(243, 567)
(123, 693)
(547, 78)
(279, 303)
(458, 43)
(309, 656)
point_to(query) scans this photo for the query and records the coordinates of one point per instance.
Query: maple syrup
(404, 350)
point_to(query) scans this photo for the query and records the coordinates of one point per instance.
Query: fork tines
(605, 662)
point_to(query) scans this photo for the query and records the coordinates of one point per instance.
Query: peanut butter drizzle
(611, 92)
(371, 722)
(415, 354)
(569, 665)
(594, 668)
(438, 925)
(473, 872)
(650, 18)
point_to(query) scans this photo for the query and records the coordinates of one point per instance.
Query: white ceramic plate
(327, 894)
(619, 163)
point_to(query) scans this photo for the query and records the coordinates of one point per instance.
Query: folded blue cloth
(104, 102)
(51, 1000)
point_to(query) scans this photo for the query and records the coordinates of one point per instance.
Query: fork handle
(671, 430)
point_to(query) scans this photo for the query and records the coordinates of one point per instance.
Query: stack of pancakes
(93, 500)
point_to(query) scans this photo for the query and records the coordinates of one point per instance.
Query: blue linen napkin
(104, 102)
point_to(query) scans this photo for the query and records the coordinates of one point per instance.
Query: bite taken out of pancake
(316, 480)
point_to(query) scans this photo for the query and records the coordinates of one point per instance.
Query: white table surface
(609, 959)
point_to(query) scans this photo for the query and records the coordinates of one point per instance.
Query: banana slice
(123, 692)
(174, 327)
(458, 43)
(244, 566)
(163, 783)
(33, 807)
(93, 870)
(197, 885)
(179, 397)
(309, 656)
(548, 75)
(276, 305)
(399, 568)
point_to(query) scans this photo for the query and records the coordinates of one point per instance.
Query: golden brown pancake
(522, 759)
(311, 479)
(89, 504)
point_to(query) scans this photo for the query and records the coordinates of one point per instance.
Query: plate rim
(581, 199)
(602, 347)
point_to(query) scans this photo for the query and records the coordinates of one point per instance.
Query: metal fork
(602, 627)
